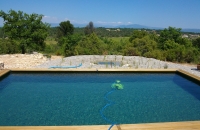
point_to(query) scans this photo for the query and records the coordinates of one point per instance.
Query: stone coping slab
(3, 72)
(185, 125)
(92, 69)
(182, 72)
(185, 73)
(189, 75)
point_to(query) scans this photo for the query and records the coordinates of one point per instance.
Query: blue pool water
(41, 99)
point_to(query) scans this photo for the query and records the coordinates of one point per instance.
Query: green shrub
(8, 47)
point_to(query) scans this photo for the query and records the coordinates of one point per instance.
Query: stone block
(1, 65)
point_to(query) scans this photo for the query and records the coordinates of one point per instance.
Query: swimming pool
(48, 99)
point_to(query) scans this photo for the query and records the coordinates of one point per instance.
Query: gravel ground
(132, 62)
(23, 61)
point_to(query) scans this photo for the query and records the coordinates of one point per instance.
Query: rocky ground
(24, 61)
(37, 60)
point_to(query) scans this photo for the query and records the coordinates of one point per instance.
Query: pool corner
(4, 72)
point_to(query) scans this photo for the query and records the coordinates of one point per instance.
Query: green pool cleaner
(117, 85)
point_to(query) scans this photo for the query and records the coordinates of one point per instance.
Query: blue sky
(153, 13)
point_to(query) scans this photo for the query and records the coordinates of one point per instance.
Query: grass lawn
(118, 39)
(49, 42)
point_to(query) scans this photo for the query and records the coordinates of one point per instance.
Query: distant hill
(133, 26)
(191, 30)
(75, 25)
(137, 26)
(54, 24)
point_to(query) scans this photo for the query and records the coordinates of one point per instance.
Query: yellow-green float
(117, 85)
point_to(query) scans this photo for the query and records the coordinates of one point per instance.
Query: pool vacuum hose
(115, 86)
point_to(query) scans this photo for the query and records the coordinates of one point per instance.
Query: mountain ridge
(136, 26)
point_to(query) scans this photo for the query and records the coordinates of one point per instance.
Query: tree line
(167, 44)
(23, 33)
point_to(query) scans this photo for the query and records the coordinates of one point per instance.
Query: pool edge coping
(107, 70)
(95, 70)
(4, 72)
(189, 75)
(146, 126)
(180, 71)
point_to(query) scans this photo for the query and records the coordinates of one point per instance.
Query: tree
(1, 33)
(170, 44)
(191, 55)
(66, 39)
(8, 47)
(144, 45)
(65, 29)
(185, 41)
(89, 29)
(68, 44)
(171, 33)
(90, 45)
(27, 29)
(138, 34)
(196, 43)
(131, 51)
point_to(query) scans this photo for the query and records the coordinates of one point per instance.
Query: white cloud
(109, 23)
(76, 21)
(50, 19)
(119, 22)
(113, 22)
(101, 22)
(66, 19)
(71, 20)
(46, 16)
